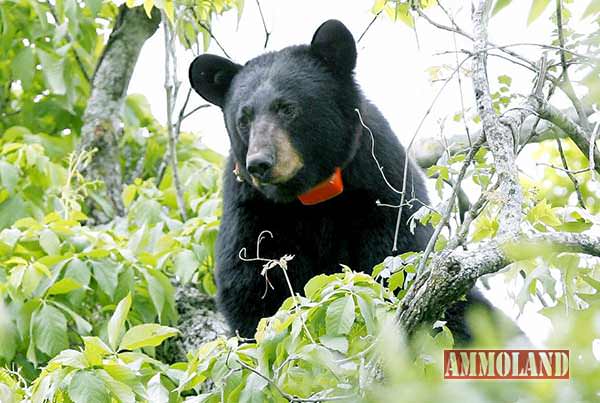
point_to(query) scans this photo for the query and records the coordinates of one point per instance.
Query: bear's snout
(259, 165)
(271, 157)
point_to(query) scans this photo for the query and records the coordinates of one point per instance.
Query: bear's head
(290, 114)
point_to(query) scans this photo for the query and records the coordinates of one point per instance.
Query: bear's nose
(259, 166)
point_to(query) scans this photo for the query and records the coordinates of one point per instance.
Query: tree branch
(498, 135)
(102, 124)
(428, 150)
(452, 277)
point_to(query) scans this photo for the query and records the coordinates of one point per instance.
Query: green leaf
(95, 350)
(315, 284)
(9, 175)
(148, 4)
(253, 391)
(338, 343)
(157, 390)
(82, 325)
(146, 335)
(71, 358)
(8, 335)
(396, 280)
(365, 304)
(106, 273)
(49, 242)
(340, 316)
(185, 264)
(53, 69)
(120, 390)
(64, 286)
(116, 324)
(94, 6)
(50, 330)
(504, 79)
(88, 387)
(499, 5)
(23, 67)
(537, 8)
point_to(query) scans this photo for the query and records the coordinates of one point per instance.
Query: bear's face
(289, 114)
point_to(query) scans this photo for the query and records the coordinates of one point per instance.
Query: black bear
(304, 167)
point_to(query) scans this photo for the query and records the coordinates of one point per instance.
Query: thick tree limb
(428, 150)
(453, 276)
(579, 136)
(451, 273)
(101, 118)
(498, 135)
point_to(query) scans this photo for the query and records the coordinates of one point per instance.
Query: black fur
(318, 82)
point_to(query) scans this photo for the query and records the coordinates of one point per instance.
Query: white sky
(391, 69)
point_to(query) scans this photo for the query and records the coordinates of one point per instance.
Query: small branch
(450, 206)
(70, 40)
(472, 214)
(566, 84)
(190, 113)
(569, 174)
(371, 23)
(262, 17)
(410, 145)
(207, 29)
(579, 136)
(172, 88)
(428, 150)
(571, 171)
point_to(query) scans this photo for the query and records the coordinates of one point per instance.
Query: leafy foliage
(83, 309)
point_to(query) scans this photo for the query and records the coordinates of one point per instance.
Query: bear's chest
(326, 235)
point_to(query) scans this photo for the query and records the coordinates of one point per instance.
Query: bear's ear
(334, 44)
(210, 76)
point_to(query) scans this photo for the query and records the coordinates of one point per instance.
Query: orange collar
(328, 189)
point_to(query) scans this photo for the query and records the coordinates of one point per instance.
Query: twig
(571, 171)
(448, 211)
(389, 185)
(471, 215)
(566, 84)
(172, 88)
(270, 264)
(196, 109)
(372, 22)
(412, 140)
(569, 174)
(593, 146)
(207, 29)
(70, 39)
(579, 136)
(262, 17)
(462, 100)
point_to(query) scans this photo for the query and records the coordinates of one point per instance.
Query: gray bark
(199, 322)
(428, 150)
(454, 273)
(499, 136)
(102, 124)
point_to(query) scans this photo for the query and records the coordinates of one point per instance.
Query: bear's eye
(245, 119)
(287, 111)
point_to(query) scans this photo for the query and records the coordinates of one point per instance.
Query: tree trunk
(101, 120)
